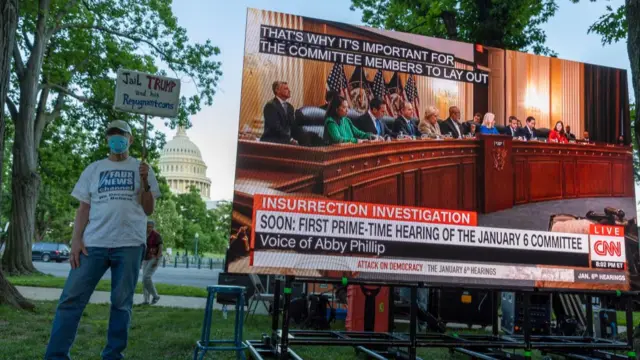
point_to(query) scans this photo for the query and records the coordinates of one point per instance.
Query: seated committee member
(429, 123)
(585, 137)
(488, 124)
(477, 121)
(328, 96)
(279, 120)
(557, 134)
(370, 122)
(512, 129)
(403, 124)
(568, 133)
(477, 118)
(473, 130)
(529, 130)
(452, 124)
(338, 129)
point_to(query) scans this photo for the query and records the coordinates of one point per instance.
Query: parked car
(50, 252)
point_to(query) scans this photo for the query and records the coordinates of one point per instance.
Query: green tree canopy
(612, 26)
(65, 59)
(507, 24)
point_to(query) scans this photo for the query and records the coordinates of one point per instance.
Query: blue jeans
(125, 267)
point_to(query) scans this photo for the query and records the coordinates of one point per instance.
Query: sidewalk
(103, 297)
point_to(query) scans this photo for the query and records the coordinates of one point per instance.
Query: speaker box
(606, 323)
(469, 307)
(513, 313)
(297, 289)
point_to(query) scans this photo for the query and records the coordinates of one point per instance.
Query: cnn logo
(608, 248)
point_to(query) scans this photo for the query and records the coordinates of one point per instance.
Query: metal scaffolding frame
(392, 345)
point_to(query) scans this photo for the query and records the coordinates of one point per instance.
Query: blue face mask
(118, 144)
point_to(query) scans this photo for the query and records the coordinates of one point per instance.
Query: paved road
(169, 275)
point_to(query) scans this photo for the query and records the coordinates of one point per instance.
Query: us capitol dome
(181, 164)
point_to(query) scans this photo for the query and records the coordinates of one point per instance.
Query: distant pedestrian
(116, 195)
(152, 258)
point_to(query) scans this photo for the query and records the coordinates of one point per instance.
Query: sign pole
(144, 139)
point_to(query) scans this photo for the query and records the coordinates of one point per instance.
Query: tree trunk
(24, 187)
(9, 295)
(24, 176)
(633, 48)
(8, 26)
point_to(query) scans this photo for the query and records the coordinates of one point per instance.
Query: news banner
(327, 235)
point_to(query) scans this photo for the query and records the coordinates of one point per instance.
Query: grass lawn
(105, 285)
(176, 290)
(156, 333)
(622, 318)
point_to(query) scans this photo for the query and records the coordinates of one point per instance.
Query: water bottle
(224, 312)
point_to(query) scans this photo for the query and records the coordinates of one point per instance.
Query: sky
(215, 128)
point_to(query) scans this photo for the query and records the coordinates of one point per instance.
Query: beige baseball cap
(120, 125)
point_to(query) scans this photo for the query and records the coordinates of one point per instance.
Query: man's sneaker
(155, 300)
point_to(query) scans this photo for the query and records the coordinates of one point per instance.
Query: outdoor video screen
(380, 155)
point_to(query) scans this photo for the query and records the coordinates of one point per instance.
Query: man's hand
(144, 173)
(77, 247)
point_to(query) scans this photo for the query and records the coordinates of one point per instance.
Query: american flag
(395, 95)
(337, 81)
(379, 90)
(411, 92)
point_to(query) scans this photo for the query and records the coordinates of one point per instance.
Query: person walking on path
(116, 195)
(152, 258)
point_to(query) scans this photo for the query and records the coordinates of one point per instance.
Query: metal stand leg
(275, 321)
(589, 306)
(494, 312)
(238, 326)
(527, 325)
(413, 314)
(284, 340)
(206, 327)
(392, 299)
(629, 316)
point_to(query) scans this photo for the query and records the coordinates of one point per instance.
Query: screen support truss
(392, 345)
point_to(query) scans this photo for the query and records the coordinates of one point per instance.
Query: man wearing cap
(150, 264)
(116, 195)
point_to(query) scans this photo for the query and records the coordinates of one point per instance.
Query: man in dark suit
(452, 124)
(370, 121)
(512, 130)
(529, 130)
(568, 133)
(280, 123)
(404, 123)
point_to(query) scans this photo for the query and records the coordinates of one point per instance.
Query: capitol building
(181, 164)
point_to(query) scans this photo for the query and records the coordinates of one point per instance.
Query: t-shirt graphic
(113, 190)
(116, 180)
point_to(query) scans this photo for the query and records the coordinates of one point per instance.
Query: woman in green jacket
(338, 128)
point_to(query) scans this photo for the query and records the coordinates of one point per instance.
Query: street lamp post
(196, 237)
